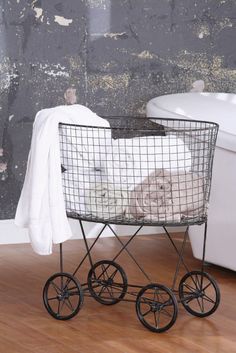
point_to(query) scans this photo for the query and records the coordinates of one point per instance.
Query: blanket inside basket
(138, 178)
(168, 196)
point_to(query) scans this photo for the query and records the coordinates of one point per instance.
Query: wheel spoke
(102, 290)
(203, 308)
(58, 308)
(113, 274)
(187, 301)
(194, 281)
(57, 289)
(165, 312)
(158, 319)
(147, 312)
(70, 306)
(71, 288)
(52, 298)
(208, 299)
(208, 285)
(66, 285)
(199, 305)
(109, 291)
(199, 285)
(103, 273)
(63, 302)
(192, 290)
(155, 319)
(155, 295)
(167, 303)
(162, 298)
(146, 300)
(117, 285)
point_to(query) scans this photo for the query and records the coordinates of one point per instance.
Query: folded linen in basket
(86, 147)
(76, 184)
(103, 201)
(41, 207)
(168, 196)
(131, 160)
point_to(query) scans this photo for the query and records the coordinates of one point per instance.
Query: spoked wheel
(62, 296)
(156, 307)
(199, 293)
(107, 282)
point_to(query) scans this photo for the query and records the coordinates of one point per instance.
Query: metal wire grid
(158, 172)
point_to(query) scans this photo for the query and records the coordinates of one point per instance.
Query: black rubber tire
(198, 293)
(171, 302)
(62, 294)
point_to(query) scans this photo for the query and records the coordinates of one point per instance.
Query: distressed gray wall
(117, 54)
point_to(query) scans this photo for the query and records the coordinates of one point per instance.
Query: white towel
(41, 207)
(130, 161)
(76, 184)
(87, 147)
(105, 202)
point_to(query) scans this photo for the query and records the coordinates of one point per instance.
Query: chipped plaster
(62, 21)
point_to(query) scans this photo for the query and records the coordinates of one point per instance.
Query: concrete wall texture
(110, 55)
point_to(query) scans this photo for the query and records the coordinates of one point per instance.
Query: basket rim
(210, 123)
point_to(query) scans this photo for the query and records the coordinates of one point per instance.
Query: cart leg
(204, 247)
(86, 243)
(61, 258)
(181, 253)
(181, 259)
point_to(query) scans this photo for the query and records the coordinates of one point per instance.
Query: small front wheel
(156, 307)
(199, 293)
(62, 296)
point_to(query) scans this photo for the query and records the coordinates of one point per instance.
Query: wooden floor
(26, 327)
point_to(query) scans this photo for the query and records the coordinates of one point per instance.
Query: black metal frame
(124, 247)
(194, 292)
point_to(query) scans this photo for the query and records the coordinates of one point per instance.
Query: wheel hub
(63, 296)
(155, 307)
(110, 282)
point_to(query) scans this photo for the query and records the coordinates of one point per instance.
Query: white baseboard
(11, 234)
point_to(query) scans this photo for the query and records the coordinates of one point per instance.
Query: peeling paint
(146, 54)
(207, 68)
(38, 12)
(110, 82)
(62, 21)
(226, 22)
(7, 73)
(55, 73)
(54, 70)
(203, 31)
(102, 4)
(116, 36)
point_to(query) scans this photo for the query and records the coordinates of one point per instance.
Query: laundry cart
(142, 172)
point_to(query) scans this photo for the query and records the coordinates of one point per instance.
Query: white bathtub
(220, 108)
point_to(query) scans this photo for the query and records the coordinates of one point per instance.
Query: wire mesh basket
(139, 171)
